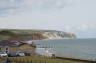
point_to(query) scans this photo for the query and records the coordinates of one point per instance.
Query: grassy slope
(20, 31)
(28, 31)
(40, 60)
(15, 31)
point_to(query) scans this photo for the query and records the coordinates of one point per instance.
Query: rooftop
(10, 43)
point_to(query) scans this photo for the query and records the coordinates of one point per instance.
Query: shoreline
(74, 59)
(64, 39)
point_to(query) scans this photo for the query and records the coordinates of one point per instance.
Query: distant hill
(18, 34)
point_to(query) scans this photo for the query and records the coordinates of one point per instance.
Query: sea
(71, 48)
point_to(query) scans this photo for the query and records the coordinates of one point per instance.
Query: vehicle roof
(2, 52)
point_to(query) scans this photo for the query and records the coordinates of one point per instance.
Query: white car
(20, 53)
(3, 54)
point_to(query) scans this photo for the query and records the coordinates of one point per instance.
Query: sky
(75, 16)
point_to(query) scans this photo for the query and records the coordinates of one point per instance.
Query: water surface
(75, 48)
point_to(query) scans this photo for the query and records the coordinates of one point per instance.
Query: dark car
(12, 54)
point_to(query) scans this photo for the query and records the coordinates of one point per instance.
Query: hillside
(14, 34)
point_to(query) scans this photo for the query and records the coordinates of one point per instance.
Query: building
(11, 46)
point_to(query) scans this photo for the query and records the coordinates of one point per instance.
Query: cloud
(8, 7)
(78, 28)
(82, 31)
(46, 4)
(85, 27)
(67, 28)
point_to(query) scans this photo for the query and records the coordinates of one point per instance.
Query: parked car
(14, 54)
(3, 54)
(19, 53)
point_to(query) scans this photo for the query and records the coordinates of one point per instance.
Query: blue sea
(75, 48)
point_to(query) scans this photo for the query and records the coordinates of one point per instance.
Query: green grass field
(35, 59)
(6, 34)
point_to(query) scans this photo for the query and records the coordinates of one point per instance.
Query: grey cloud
(6, 6)
(82, 27)
(47, 4)
(14, 5)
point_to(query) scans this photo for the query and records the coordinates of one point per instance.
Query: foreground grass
(39, 60)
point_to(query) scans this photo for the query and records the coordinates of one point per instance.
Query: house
(45, 52)
(13, 46)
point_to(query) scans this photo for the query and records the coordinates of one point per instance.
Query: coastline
(76, 59)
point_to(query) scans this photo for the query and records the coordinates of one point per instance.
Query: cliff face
(21, 35)
(58, 35)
